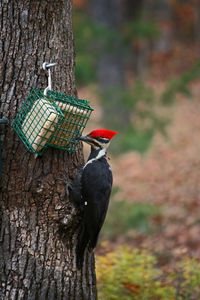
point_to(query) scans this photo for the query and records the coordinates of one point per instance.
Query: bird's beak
(85, 139)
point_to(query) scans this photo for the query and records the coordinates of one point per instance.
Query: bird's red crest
(104, 133)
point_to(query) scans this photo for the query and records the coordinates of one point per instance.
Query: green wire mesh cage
(55, 120)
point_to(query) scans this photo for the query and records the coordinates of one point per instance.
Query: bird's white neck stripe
(101, 153)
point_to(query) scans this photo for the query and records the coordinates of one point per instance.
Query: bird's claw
(68, 187)
(68, 184)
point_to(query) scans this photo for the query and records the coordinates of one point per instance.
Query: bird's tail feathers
(93, 241)
(83, 240)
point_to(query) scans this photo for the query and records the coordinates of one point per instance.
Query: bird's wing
(96, 189)
(95, 219)
(75, 189)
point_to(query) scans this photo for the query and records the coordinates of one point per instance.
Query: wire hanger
(46, 66)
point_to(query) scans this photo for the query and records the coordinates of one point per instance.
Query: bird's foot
(68, 187)
(68, 184)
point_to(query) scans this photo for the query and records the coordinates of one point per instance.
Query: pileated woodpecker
(91, 189)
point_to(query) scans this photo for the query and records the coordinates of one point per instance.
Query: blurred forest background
(138, 62)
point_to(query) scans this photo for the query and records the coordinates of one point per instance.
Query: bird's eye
(95, 143)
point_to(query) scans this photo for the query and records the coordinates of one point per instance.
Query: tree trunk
(142, 56)
(163, 13)
(197, 26)
(38, 224)
(110, 69)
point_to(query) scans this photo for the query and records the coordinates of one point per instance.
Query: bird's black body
(91, 190)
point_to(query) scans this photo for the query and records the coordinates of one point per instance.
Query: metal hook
(46, 66)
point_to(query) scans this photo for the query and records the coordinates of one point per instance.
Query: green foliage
(124, 216)
(135, 139)
(83, 31)
(90, 41)
(135, 275)
(134, 112)
(130, 275)
(84, 36)
(142, 92)
(135, 116)
(187, 277)
(146, 119)
(180, 85)
(84, 72)
(104, 38)
(139, 29)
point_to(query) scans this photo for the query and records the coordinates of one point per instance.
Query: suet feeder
(49, 118)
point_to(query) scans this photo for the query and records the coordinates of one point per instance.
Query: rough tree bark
(37, 255)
